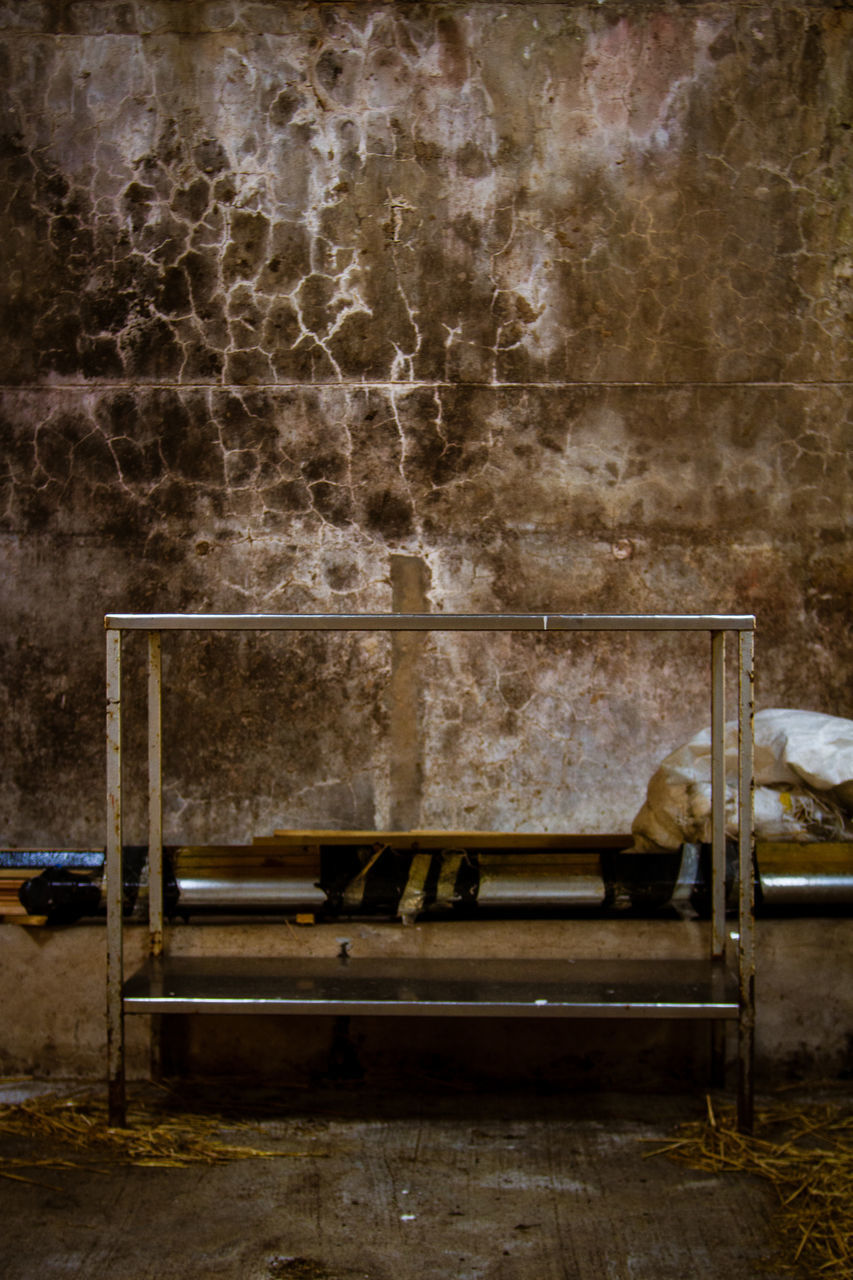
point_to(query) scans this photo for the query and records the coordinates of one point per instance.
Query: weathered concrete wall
(54, 1024)
(553, 298)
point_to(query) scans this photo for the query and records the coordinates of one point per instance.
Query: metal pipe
(790, 876)
(235, 892)
(557, 881)
(113, 878)
(794, 875)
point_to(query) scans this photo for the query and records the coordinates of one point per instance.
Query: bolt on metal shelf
(604, 999)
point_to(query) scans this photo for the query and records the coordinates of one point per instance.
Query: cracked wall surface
(552, 298)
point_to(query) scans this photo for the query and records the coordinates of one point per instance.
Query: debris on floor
(153, 1137)
(807, 1154)
(298, 1269)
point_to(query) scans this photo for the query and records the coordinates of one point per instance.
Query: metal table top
(446, 987)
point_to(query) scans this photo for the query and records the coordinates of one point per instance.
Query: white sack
(803, 777)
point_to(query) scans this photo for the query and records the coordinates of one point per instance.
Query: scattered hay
(150, 1140)
(807, 1154)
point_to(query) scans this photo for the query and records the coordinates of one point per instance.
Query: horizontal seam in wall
(236, 30)
(404, 386)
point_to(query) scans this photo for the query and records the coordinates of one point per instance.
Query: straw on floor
(74, 1133)
(807, 1155)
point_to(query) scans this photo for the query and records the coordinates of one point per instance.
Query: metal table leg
(718, 836)
(746, 892)
(155, 830)
(114, 887)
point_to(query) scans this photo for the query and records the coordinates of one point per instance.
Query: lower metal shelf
(506, 988)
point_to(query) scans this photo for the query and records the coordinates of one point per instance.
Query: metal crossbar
(155, 624)
(428, 622)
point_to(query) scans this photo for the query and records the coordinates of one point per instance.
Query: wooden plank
(811, 858)
(247, 856)
(433, 839)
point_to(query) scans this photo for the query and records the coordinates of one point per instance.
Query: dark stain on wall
(553, 297)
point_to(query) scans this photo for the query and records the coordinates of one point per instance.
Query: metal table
(711, 989)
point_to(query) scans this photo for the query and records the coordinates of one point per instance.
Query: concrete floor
(468, 1187)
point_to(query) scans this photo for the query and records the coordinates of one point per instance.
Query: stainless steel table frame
(562, 988)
